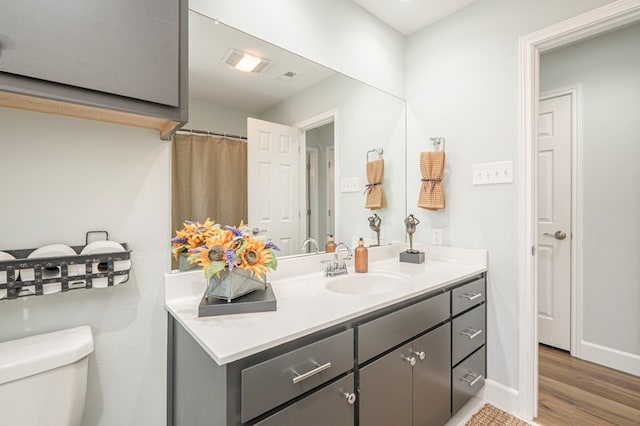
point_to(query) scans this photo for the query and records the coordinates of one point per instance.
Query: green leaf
(214, 268)
(273, 264)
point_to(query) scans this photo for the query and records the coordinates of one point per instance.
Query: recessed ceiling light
(245, 62)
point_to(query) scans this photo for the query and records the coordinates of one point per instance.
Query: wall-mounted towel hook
(378, 151)
(437, 141)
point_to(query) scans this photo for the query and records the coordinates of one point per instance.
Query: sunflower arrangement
(216, 248)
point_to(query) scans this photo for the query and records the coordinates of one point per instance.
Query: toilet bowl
(43, 378)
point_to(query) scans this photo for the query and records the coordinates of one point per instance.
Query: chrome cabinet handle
(350, 397)
(472, 379)
(305, 376)
(471, 296)
(419, 354)
(471, 333)
(558, 235)
(411, 360)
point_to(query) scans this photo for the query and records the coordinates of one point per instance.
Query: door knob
(559, 235)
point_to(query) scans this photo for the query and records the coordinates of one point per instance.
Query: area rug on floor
(490, 415)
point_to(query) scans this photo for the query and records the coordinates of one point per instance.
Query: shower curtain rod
(210, 133)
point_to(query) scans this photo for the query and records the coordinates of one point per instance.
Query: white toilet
(43, 379)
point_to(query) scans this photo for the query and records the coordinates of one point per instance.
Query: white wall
(367, 119)
(462, 84)
(206, 115)
(60, 178)
(338, 34)
(608, 68)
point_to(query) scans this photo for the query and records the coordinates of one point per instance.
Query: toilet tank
(43, 378)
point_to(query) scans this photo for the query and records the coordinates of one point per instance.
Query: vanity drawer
(467, 296)
(467, 334)
(467, 379)
(275, 381)
(330, 405)
(379, 335)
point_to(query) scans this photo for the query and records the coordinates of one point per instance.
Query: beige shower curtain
(209, 180)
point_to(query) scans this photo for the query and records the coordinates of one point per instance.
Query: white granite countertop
(305, 305)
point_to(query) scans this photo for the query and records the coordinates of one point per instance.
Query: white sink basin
(371, 283)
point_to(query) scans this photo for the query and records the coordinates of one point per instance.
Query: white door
(554, 222)
(273, 182)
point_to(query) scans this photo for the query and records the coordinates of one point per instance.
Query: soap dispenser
(331, 245)
(362, 257)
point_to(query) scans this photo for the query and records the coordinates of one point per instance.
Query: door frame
(312, 173)
(575, 302)
(597, 21)
(304, 126)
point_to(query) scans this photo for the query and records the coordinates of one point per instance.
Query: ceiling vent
(245, 62)
(289, 75)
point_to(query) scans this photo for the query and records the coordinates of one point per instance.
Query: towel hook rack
(437, 141)
(378, 151)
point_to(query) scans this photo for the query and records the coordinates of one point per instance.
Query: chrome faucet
(337, 265)
(314, 243)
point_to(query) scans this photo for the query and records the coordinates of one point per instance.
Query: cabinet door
(385, 390)
(123, 47)
(432, 378)
(328, 406)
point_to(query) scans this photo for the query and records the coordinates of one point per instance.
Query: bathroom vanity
(403, 344)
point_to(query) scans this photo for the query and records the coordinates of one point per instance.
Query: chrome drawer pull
(313, 372)
(471, 296)
(471, 333)
(472, 379)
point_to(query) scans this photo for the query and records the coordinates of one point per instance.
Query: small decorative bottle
(331, 245)
(362, 257)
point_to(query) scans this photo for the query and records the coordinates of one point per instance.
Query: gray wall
(608, 69)
(60, 178)
(461, 82)
(206, 115)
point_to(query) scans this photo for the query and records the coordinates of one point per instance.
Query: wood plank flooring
(576, 392)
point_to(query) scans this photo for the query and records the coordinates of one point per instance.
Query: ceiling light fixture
(245, 62)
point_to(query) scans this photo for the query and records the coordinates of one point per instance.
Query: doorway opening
(587, 25)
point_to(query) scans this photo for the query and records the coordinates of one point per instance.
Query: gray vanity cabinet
(412, 364)
(385, 390)
(468, 341)
(332, 405)
(411, 385)
(431, 380)
(117, 55)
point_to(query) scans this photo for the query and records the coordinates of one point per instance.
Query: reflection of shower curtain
(209, 180)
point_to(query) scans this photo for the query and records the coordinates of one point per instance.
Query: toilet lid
(25, 357)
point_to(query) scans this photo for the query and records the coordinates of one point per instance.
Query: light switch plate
(490, 173)
(350, 184)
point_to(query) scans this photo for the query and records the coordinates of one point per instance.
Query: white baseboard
(612, 358)
(501, 396)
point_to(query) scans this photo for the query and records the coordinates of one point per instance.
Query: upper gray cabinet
(120, 55)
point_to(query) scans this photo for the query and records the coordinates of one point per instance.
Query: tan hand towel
(375, 194)
(432, 191)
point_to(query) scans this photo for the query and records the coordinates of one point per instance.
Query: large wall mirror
(309, 131)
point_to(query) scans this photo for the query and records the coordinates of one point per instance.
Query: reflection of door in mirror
(319, 182)
(273, 179)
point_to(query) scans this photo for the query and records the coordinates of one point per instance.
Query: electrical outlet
(436, 236)
(350, 184)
